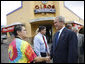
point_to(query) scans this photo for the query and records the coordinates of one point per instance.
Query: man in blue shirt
(41, 47)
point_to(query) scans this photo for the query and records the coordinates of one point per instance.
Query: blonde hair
(37, 30)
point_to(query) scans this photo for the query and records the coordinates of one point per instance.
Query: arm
(30, 54)
(40, 59)
(37, 46)
(72, 48)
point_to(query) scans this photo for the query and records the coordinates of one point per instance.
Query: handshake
(48, 59)
(40, 59)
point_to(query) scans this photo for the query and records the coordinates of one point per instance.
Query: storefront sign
(8, 29)
(44, 8)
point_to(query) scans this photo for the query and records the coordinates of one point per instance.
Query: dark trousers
(43, 54)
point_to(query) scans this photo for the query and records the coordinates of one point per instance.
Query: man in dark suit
(65, 44)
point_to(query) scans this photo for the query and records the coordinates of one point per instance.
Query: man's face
(57, 24)
(43, 31)
(23, 32)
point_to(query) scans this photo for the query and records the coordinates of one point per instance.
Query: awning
(42, 19)
(9, 28)
(75, 22)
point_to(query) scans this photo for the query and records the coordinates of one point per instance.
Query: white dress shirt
(39, 45)
(60, 31)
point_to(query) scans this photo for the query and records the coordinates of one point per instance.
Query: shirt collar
(40, 34)
(61, 29)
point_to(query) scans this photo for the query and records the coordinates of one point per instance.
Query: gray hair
(61, 19)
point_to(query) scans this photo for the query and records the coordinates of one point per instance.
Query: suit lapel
(54, 41)
(62, 34)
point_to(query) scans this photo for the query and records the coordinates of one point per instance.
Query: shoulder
(14, 41)
(69, 31)
(25, 42)
(18, 40)
(37, 36)
(22, 42)
(80, 35)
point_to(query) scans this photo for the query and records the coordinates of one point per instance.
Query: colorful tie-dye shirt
(20, 51)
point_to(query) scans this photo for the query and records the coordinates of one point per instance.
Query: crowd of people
(67, 45)
(80, 36)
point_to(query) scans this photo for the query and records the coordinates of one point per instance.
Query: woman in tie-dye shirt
(20, 51)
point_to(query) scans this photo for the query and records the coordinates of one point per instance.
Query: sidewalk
(4, 53)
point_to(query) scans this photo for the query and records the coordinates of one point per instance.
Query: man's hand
(40, 59)
(48, 59)
(48, 54)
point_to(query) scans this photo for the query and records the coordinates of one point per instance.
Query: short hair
(61, 19)
(68, 25)
(17, 28)
(41, 28)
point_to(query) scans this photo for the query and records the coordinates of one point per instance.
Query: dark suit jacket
(66, 50)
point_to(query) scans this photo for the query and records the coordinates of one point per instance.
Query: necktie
(45, 43)
(57, 37)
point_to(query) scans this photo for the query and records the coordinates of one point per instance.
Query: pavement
(4, 52)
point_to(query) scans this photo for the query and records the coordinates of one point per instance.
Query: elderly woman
(20, 51)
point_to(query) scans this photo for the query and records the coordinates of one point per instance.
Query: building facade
(36, 13)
